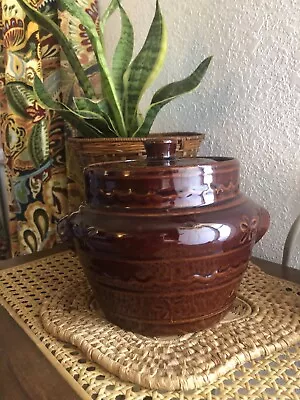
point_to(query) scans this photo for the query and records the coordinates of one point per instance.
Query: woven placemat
(24, 288)
(269, 321)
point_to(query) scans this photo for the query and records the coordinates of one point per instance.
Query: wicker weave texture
(98, 150)
(185, 362)
(275, 376)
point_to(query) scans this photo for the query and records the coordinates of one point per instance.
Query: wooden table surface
(25, 373)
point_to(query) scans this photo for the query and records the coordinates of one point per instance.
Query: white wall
(248, 103)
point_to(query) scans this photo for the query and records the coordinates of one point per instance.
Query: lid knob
(160, 148)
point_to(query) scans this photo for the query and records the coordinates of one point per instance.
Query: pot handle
(65, 227)
(264, 223)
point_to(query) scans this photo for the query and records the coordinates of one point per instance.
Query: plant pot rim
(177, 135)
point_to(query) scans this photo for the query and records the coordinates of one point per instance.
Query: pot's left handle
(65, 227)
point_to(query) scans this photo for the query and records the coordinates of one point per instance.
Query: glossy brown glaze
(165, 242)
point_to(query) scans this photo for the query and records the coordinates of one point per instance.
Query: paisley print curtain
(33, 138)
(4, 243)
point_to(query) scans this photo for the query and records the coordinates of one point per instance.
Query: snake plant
(123, 85)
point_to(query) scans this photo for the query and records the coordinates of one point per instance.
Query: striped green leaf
(47, 24)
(145, 67)
(123, 52)
(170, 92)
(101, 108)
(113, 5)
(109, 90)
(79, 121)
(83, 103)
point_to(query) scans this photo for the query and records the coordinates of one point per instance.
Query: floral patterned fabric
(4, 243)
(33, 138)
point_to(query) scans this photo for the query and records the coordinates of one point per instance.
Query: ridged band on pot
(178, 186)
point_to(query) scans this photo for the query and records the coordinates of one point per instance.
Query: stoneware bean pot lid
(160, 180)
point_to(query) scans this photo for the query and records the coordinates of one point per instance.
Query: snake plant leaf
(100, 107)
(140, 118)
(38, 144)
(75, 119)
(170, 92)
(145, 67)
(113, 5)
(96, 106)
(108, 88)
(123, 52)
(46, 23)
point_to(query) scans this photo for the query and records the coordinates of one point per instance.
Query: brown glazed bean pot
(164, 243)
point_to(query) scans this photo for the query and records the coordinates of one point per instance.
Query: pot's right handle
(264, 223)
